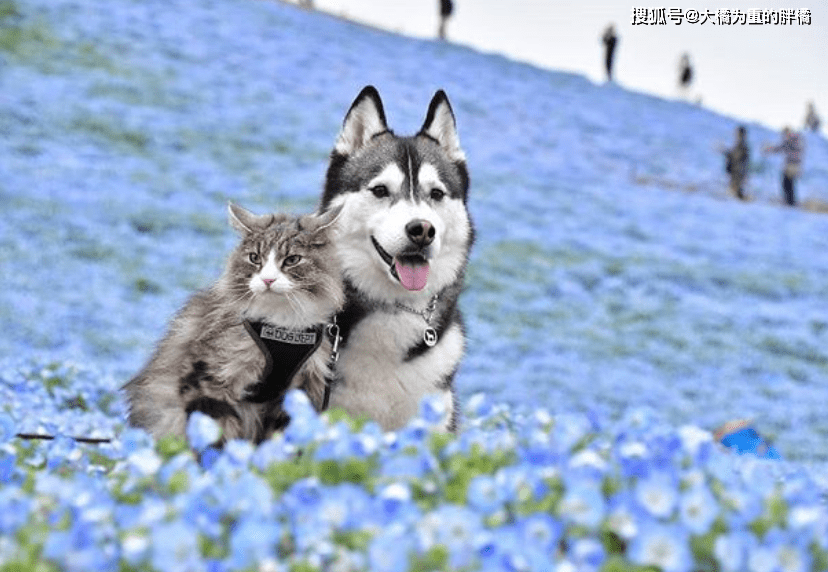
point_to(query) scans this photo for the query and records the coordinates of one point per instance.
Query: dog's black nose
(420, 232)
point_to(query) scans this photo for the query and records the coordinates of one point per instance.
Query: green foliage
(435, 560)
(460, 470)
(350, 470)
(170, 446)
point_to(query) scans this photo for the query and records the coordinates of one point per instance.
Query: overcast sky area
(765, 73)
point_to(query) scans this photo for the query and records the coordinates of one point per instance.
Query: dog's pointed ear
(364, 120)
(440, 125)
(245, 221)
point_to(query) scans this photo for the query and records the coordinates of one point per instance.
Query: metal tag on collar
(430, 336)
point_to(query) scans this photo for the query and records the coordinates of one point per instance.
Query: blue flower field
(620, 306)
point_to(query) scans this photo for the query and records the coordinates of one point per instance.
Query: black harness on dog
(285, 352)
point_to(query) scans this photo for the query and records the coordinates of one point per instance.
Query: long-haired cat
(236, 347)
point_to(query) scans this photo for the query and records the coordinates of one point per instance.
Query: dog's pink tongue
(412, 276)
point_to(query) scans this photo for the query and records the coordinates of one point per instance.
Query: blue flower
(134, 440)
(792, 557)
(392, 501)
(390, 550)
(541, 531)
(484, 494)
(658, 494)
(14, 510)
(202, 431)
(731, 550)
(453, 527)
(520, 483)
(238, 451)
(744, 506)
(570, 429)
(434, 410)
(414, 463)
(625, 516)
(252, 542)
(583, 503)
(307, 492)
(345, 506)
(305, 423)
(269, 452)
(697, 442)
(479, 405)
(587, 554)
(135, 548)
(8, 463)
(506, 548)
(633, 457)
(664, 546)
(174, 547)
(698, 509)
(8, 428)
(208, 457)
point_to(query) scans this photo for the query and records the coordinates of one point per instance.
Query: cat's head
(284, 270)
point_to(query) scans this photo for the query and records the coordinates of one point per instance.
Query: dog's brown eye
(437, 194)
(292, 260)
(254, 258)
(380, 191)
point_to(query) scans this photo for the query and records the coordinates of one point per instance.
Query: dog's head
(404, 229)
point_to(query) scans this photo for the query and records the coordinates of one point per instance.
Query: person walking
(793, 149)
(737, 160)
(610, 39)
(446, 9)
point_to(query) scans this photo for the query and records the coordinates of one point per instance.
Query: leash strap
(285, 352)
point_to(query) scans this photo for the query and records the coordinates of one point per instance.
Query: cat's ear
(320, 225)
(245, 221)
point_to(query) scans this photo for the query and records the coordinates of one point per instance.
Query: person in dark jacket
(737, 160)
(446, 9)
(811, 118)
(793, 149)
(685, 73)
(610, 40)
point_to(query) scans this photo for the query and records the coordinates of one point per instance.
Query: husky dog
(404, 235)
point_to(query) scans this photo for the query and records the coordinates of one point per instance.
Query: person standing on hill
(446, 9)
(811, 118)
(610, 40)
(685, 73)
(737, 160)
(793, 148)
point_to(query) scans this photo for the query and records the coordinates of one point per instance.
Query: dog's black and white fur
(403, 242)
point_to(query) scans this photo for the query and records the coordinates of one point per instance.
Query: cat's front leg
(224, 414)
(274, 420)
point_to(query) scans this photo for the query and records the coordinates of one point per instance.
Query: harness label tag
(270, 332)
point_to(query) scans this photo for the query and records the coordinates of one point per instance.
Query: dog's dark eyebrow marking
(381, 133)
(429, 137)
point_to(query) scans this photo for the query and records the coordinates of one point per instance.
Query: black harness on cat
(285, 352)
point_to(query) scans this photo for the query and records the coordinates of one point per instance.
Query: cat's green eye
(254, 258)
(292, 260)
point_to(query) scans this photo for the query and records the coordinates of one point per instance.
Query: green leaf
(170, 446)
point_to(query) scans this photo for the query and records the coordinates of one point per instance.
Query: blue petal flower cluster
(515, 490)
